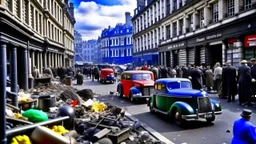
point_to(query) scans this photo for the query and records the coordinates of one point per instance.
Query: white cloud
(92, 18)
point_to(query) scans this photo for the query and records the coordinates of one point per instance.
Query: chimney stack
(128, 19)
(71, 9)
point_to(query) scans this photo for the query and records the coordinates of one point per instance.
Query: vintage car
(136, 84)
(107, 75)
(176, 98)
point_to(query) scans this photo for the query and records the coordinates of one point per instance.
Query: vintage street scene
(128, 71)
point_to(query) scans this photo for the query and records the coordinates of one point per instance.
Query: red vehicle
(136, 84)
(107, 75)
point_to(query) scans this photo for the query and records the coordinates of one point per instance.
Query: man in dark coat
(164, 72)
(155, 72)
(195, 77)
(184, 70)
(253, 73)
(229, 82)
(244, 81)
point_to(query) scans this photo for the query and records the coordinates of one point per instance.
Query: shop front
(148, 57)
(250, 46)
(205, 49)
(173, 54)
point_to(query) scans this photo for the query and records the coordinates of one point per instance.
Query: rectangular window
(122, 41)
(168, 32)
(32, 18)
(231, 7)
(247, 4)
(36, 21)
(174, 5)
(201, 16)
(215, 12)
(174, 31)
(40, 24)
(122, 53)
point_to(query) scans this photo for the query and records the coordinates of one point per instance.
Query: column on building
(32, 59)
(41, 62)
(221, 8)
(37, 60)
(154, 40)
(171, 29)
(49, 59)
(223, 52)
(45, 59)
(24, 72)
(178, 4)
(56, 60)
(164, 7)
(161, 10)
(52, 59)
(14, 74)
(194, 20)
(165, 58)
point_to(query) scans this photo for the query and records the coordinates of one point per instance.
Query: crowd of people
(225, 80)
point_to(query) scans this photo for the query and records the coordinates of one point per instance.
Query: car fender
(135, 90)
(119, 85)
(183, 107)
(151, 100)
(216, 105)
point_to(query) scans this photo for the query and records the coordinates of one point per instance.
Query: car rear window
(141, 76)
(179, 84)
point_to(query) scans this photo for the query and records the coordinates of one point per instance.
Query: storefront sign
(250, 41)
(209, 37)
(178, 45)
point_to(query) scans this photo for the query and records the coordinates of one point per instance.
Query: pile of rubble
(94, 121)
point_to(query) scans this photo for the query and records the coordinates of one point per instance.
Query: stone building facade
(196, 31)
(36, 33)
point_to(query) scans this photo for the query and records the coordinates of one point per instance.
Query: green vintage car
(176, 98)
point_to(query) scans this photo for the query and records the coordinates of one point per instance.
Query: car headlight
(217, 105)
(138, 94)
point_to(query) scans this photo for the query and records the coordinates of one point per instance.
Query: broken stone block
(69, 94)
(85, 94)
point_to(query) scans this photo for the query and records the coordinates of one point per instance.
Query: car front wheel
(131, 97)
(151, 108)
(178, 118)
(119, 90)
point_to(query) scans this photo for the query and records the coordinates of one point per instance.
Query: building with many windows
(97, 52)
(35, 33)
(89, 48)
(78, 48)
(116, 43)
(196, 31)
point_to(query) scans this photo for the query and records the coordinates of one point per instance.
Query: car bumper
(140, 96)
(202, 115)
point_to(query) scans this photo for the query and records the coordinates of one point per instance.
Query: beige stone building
(195, 31)
(38, 33)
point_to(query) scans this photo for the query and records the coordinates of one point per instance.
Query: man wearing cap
(244, 81)
(244, 130)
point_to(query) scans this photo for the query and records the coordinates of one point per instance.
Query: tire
(177, 118)
(131, 97)
(210, 120)
(120, 91)
(151, 109)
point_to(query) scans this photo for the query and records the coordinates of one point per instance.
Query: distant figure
(145, 67)
(48, 72)
(35, 72)
(244, 130)
(208, 78)
(195, 77)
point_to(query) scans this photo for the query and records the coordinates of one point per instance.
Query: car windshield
(141, 76)
(179, 85)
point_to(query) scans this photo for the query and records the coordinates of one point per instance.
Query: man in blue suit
(244, 130)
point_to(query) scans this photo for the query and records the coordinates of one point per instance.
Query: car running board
(160, 111)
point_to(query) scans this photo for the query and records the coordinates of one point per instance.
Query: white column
(194, 21)
(41, 62)
(220, 7)
(32, 58)
(223, 52)
(52, 60)
(171, 30)
(206, 16)
(56, 60)
(171, 3)
(153, 11)
(161, 10)
(38, 61)
(178, 4)
(154, 39)
(164, 7)
(185, 24)
(164, 58)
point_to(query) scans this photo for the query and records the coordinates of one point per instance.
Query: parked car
(136, 84)
(176, 98)
(107, 75)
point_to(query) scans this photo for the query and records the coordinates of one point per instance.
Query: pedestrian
(244, 130)
(217, 78)
(35, 72)
(253, 73)
(208, 78)
(195, 77)
(155, 72)
(185, 71)
(245, 79)
(229, 81)
(164, 72)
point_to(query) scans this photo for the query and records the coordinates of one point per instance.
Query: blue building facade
(116, 43)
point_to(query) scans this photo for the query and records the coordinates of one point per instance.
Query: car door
(126, 80)
(160, 96)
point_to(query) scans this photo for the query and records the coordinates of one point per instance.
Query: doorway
(175, 58)
(213, 54)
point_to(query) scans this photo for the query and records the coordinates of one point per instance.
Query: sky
(92, 16)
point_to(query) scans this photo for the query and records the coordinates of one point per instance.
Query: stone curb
(154, 133)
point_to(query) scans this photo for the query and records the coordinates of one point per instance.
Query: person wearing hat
(253, 73)
(244, 130)
(229, 81)
(244, 81)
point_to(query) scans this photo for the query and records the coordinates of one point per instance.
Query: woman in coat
(209, 78)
